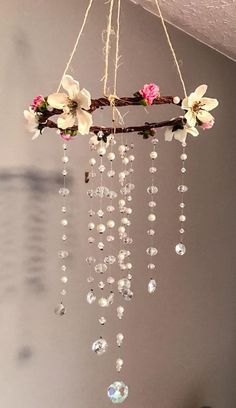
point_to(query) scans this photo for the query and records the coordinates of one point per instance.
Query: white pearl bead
(121, 257)
(121, 229)
(101, 228)
(121, 148)
(91, 226)
(125, 160)
(153, 155)
(101, 151)
(128, 211)
(129, 265)
(111, 156)
(110, 224)
(182, 218)
(92, 162)
(151, 217)
(131, 158)
(176, 100)
(121, 203)
(124, 221)
(183, 156)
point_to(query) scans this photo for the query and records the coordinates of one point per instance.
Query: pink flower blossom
(38, 100)
(66, 136)
(149, 92)
(208, 125)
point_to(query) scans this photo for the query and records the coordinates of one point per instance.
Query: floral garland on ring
(75, 110)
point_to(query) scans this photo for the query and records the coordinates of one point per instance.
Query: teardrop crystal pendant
(60, 310)
(180, 249)
(118, 392)
(152, 285)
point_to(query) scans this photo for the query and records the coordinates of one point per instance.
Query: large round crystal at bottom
(180, 249)
(118, 392)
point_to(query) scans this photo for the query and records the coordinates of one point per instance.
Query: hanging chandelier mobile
(74, 109)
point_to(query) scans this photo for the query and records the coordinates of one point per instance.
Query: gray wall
(180, 344)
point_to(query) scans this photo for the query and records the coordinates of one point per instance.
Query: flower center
(72, 105)
(197, 106)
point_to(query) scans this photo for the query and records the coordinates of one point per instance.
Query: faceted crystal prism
(182, 188)
(152, 190)
(119, 364)
(152, 251)
(91, 297)
(120, 312)
(60, 310)
(64, 191)
(100, 346)
(119, 339)
(118, 392)
(180, 249)
(152, 285)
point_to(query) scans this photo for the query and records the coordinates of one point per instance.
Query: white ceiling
(212, 22)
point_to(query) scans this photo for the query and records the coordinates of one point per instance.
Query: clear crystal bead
(91, 226)
(152, 285)
(100, 213)
(101, 285)
(119, 339)
(152, 251)
(119, 364)
(63, 292)
(102, 191)
(100, 268)
(127, 294)
(112, 195)
(100, 346)
(155, 141)
(110, 280)
(90, 279)
(64, 279)
(91, 213)
(90, 260)
(102, 320)
(64, 237)
(101, 245)
(181, 230)
(64, 172)
(182, 188)
(110, 208)
(118, 392)
(152, 170)
(151, 266)
(63, 268)
(180, 249)
(152, 190)
(60, 310)
(111, 173)
(64, 191)
(151, 232)
(120, 312)
(91, 240)
(152, 204)
(110, 238)
(183, 170)
(91, 193)
(182, 218)
(63, 254)
(123, 283)
(64, 222)
(110, 259)
(182, 205)
(91, 298)
(65, 159)
(63, 209)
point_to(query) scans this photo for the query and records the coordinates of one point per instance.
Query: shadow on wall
(27, 207)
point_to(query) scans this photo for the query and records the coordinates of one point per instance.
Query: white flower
(73, 106)
(180, 134)
(33, 122)
(198, 107)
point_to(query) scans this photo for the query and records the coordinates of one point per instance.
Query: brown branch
(109, 130)
(102, 102)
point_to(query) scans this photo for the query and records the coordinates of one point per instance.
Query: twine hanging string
(76, 43)
(171, 47)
